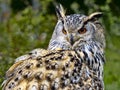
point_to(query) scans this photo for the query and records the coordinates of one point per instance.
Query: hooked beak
(71, 39)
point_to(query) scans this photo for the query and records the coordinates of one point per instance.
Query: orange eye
(64, 31)
(82, 30)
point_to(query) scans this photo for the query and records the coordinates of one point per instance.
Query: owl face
(78, 30)
(73, 29)
(78, 27)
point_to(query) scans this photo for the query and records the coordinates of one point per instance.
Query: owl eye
(82, 30)
(64, 31)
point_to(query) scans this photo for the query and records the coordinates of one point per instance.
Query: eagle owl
(74, 59)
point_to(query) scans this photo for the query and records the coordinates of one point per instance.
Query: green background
(28, 24)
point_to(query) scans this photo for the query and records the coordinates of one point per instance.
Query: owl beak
(71, 39)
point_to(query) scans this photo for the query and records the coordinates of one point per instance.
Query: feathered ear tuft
(60, 11)
(93, 16)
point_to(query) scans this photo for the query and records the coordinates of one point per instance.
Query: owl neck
(91, 54)
(89, 44)
(91, 47)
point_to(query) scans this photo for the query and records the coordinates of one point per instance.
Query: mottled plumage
(74, 59)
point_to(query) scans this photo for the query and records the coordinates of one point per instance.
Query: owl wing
(32, 54)
(44, 72)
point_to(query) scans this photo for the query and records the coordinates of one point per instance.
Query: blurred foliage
(28, 24)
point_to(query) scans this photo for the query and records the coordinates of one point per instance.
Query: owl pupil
(82, 30)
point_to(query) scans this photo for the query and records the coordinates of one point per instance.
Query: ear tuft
(60, 11)
(93, 16)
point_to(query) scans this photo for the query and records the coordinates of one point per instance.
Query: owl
(74, 59)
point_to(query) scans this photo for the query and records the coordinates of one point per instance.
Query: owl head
(74, 29)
